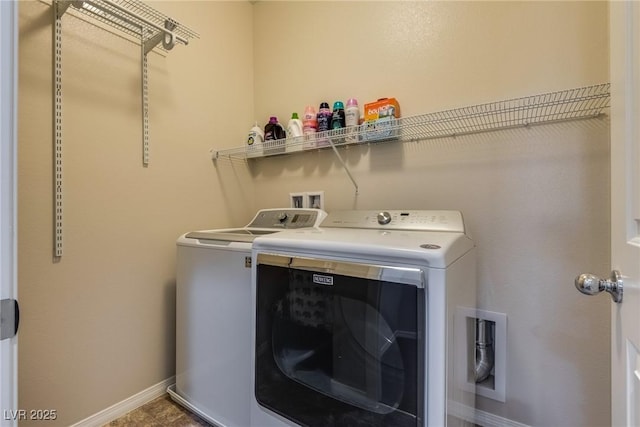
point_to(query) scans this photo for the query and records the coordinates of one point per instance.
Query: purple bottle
(324, 122)
(274, 137)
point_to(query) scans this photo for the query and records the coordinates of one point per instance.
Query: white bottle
(294, 133)
(352, 120)
(255, 141)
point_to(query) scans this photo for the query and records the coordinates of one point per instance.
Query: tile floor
(164, 412)
(160, 412)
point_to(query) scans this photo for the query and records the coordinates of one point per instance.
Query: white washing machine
(213, 314)
(356, 325)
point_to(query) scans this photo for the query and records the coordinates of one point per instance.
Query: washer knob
(384, 218)
(282, 217)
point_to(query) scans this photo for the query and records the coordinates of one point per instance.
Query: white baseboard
(478, 417)
(121, 408)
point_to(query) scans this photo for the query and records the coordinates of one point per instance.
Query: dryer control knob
(384, 218)
(282, 217)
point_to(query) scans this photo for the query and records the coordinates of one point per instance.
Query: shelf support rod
(344, 165)
(145, 102)
(59, 9)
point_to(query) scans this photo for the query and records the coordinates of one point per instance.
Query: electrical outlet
(315, 199)
(308, 199)
(297, 200)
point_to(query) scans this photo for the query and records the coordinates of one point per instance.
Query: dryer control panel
(420, 220)
(287, 218)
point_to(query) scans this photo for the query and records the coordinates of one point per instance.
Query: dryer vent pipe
(484, 350)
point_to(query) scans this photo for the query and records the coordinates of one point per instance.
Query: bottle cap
(273, 119)
(352, 102)
(324, 105)
(295, 116)
(338, 105)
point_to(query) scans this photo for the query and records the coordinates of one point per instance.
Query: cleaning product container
(324, 124)
(338, 123)
(274, 137)
(255, 141)
(309, 126)
(295, 135)
(352, 120)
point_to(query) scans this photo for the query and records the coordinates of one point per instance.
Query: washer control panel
(287, 218)
(420, 220)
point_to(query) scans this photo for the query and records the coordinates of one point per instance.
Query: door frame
(8, 199)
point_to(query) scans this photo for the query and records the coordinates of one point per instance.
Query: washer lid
(266, 221)
(229, 235)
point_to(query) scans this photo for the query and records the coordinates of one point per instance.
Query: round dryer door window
(338, 349)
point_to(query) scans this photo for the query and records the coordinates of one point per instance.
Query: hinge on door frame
(9, 318)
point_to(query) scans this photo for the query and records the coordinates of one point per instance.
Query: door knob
(590, 284)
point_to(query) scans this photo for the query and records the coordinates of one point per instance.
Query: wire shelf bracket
(571, 104)
(137, 20)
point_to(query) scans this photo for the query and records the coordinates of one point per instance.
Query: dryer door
(340, 343)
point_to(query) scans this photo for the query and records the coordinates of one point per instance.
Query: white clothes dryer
(213, 312)
(355, 322)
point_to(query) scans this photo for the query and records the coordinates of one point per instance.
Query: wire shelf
(572, 104)
(133, 18)
(151, 29)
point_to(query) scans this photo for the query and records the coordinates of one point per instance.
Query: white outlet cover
(298, 200)
(315, 199)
